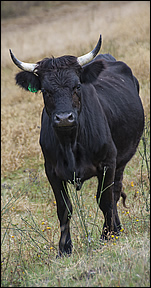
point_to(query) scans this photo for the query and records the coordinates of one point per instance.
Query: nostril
(57, 118)
(70, 117)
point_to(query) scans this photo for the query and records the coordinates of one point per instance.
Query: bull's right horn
(82, 60)
(24, 66)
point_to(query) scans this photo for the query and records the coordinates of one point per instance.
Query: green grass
(30, 232)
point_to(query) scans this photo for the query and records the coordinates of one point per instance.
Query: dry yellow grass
(71, 28)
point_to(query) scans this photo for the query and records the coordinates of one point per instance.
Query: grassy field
(30, 228)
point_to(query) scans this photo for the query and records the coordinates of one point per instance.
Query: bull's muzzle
(64, 120)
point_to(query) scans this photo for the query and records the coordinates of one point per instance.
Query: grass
(30, 228)
(30, 233)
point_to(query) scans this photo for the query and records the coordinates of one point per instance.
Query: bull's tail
(123, 195)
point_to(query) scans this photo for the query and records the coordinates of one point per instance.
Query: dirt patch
(69, 27)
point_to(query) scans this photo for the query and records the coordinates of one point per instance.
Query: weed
(30, 239)
(145, 155)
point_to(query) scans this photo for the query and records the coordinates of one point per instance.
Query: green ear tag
(33, 90)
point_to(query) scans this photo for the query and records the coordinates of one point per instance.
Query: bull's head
(60, 80)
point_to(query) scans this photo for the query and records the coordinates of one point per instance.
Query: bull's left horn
(89, 56)
(24, 66)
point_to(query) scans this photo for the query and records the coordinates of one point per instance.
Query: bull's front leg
(64, 210)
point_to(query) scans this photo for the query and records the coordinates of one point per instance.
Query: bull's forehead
(55, 79)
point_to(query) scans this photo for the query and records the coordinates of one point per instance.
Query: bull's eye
(78, 87)
(46, 93)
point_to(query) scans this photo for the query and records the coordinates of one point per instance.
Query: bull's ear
(28, 80)
(91, 71)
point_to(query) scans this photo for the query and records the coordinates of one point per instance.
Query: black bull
(92, 123)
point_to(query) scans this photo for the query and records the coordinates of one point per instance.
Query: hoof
(108, 235)
(63, 254)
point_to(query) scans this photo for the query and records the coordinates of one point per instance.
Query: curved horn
(89, 56)
(24, 66)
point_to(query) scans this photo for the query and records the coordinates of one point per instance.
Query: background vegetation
(30, 228)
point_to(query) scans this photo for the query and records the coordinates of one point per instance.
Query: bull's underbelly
(86, 171)
(81, 174)
(77, 173)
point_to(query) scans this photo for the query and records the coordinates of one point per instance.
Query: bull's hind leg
(64, 210)
(108, 198)
(105, 199)
(117, 193)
